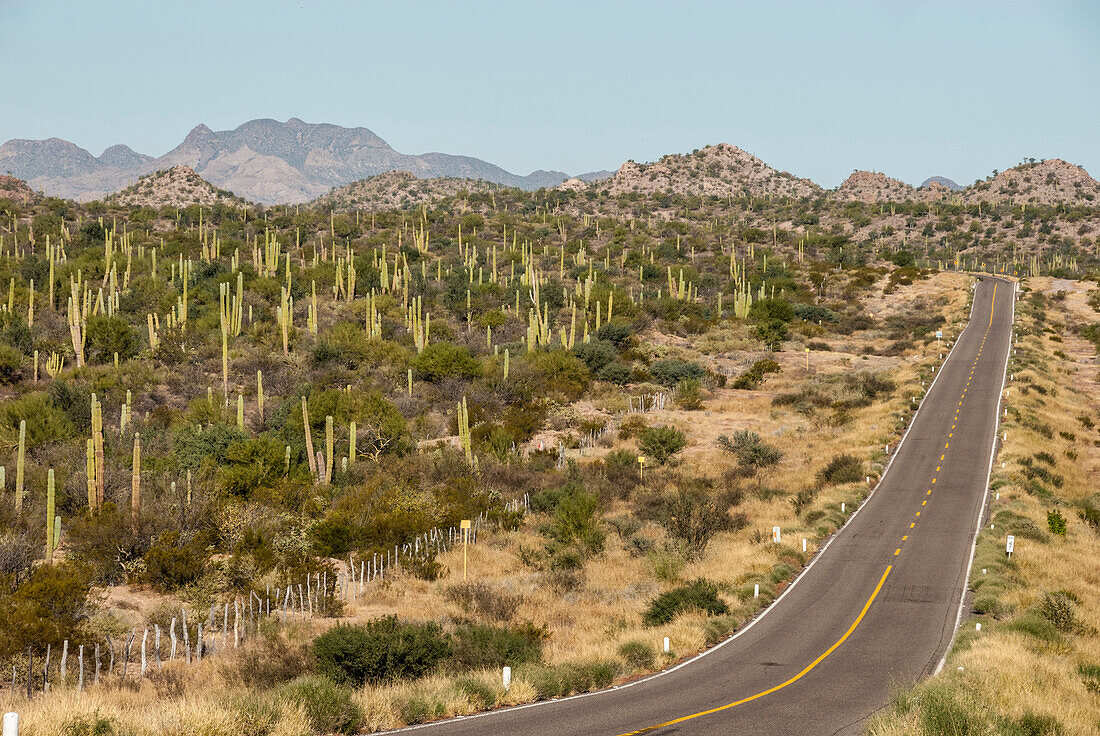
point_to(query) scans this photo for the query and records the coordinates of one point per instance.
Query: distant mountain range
(262, 160)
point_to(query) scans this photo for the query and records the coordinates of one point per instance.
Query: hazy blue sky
(816, 88)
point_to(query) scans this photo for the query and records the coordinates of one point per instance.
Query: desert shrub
(814, 313)
(671, 371)
(328, 706)
(1089, 513)
(688, 394)
(841, 469)
(617, 333)
(1056, 522)
(484, 600)
(632, 426)
(51, 605)
(617, 373)
(772, 333)
(268, 661)
(1057, 608)
(621, 468)
(195, 445)
(638, 654)
(107, 335)
(777, 308)
(45, 422)
(252, 464)
(441, 360)
(382, 649)
(752, 452)
(171, 564)
(596, 354)
(661, 443)
(756, 374)
(692, 519)
(478, 647)
(552, 373)
(698, 595)
(16, 332)
(576, 521)
(11, 364)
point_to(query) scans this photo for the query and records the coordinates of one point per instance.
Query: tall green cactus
(19, 466)
(49, 516)
(329, 441)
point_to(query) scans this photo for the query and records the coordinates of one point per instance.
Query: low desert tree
(661, 443)
(752, 453)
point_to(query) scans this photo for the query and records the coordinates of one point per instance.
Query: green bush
(550, 373)
(842, 469)
(1056, 522)
(441, 360)
(620, 335)
(576, 521)
(688, 394)
(661, 443)
(698, 595)
(775, 309)
(51, 605)
(638, 654)
(479, 647)
(756, 374)
(171, 565)
(45, 422)
(328, 706)
(107, 335)
(617, 373)
(691, 519)
(11, 364)
(596, 354)
(752, 452)
(382, 649)
(671, 371)
(772, 333)
(1058, 608)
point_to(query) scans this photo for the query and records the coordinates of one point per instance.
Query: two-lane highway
(876, 609)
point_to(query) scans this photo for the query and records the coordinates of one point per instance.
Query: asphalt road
(876, 609)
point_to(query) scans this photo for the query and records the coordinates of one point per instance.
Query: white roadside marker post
(507, 677)
(11, 724)
(666, 645)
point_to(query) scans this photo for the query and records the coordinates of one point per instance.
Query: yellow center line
(897, 552)
(913, 524)
(905, 537)
(780, 686)
(991, 302)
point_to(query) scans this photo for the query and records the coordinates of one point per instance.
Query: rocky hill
(874, 186)
(721, 170)
(396, 190)
(1052, 181)
(263, 160)
(17, 191)
(178, 186)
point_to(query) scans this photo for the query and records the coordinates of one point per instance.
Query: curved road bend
(876, 610)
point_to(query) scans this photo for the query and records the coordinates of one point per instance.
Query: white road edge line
(985, 495)
(761, 615)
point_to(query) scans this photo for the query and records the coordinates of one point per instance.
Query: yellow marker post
(465, 526)
(641, 467)
(807, 360)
